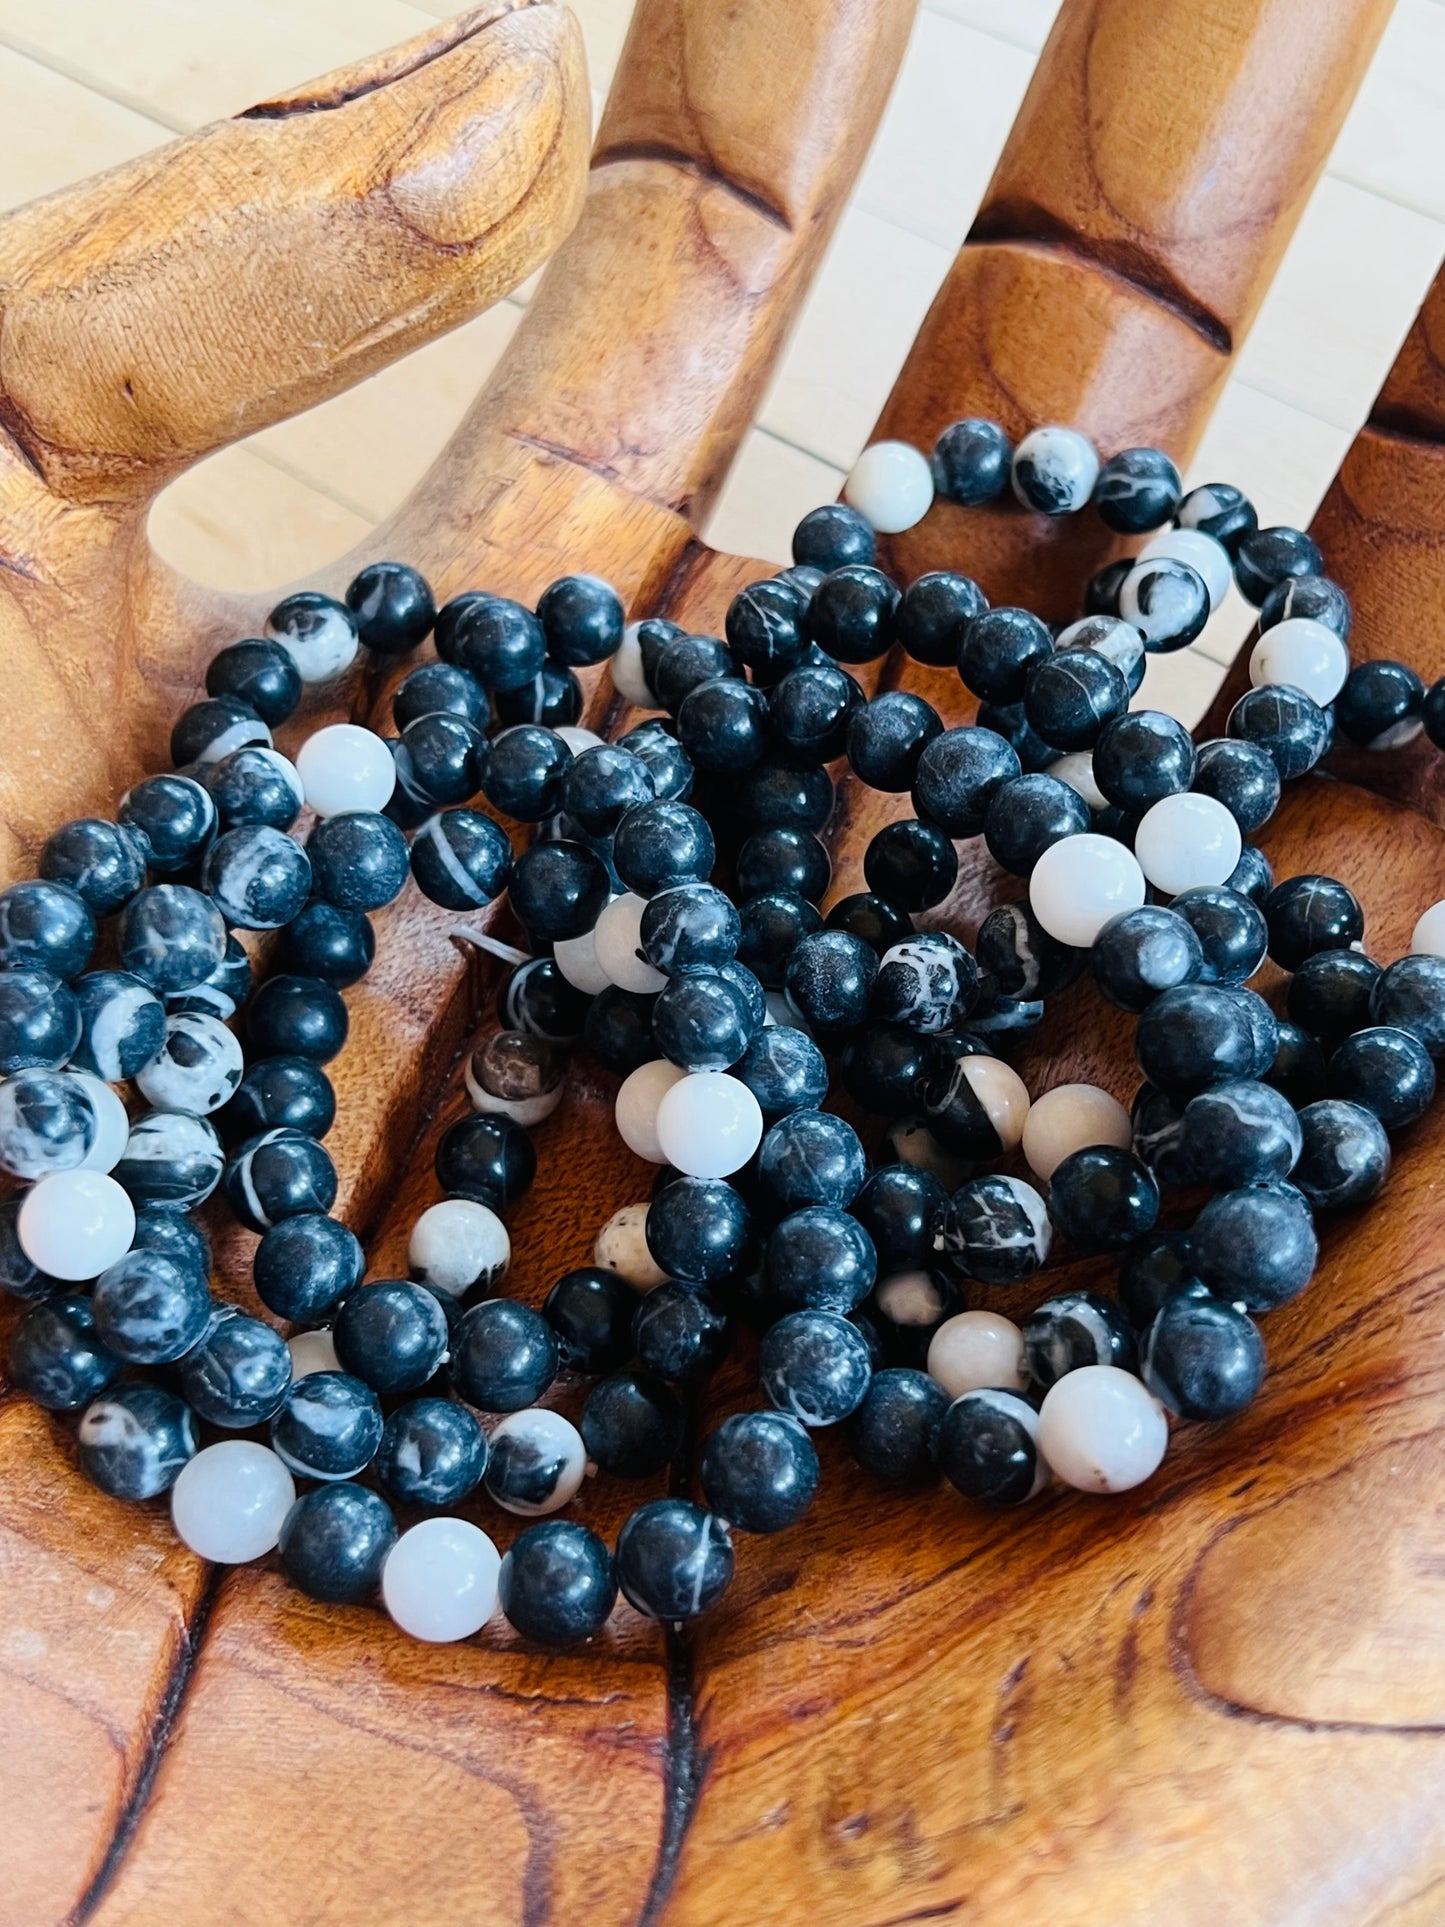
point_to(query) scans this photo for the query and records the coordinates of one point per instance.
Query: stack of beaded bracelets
(670, 982)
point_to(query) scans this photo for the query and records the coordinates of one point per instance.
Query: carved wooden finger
(1155, 173)
(206, 290)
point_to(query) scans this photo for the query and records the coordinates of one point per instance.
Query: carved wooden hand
(1218, 1699)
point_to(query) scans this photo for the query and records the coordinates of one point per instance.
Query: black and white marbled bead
(459, 1246)
(988, 1447)
(516, 1075)
(197, 1068)
(1256, 1246)
(55, 1356)
(122, 1025)
(1137, 489)
(150, 1309)
(1077, 1328)
(334, 1542)
(221, 994)
(928, 982)
(1022, 958)
(1054, 470)
(815, 1366)
(1218, 509)
(317, 632)
(1201, 1358)
(1167, 601)
(1111, 637)
(171, 937)
(460, 859)
(1237, 1133)
(39, 1022)
(1345, 1157)
(536, 1462)
(255, 786)
(48, 1122)
(1315, 596)
(104, 863)
(213, 729)
(134, 1439)
(996, 1229)
(279, 1174)
(433, 1452)
(257, 877)
(975, 1104)
(674, 1560)
(328, 1427)
(45, 926)
(172, 1159)
(238, 1375)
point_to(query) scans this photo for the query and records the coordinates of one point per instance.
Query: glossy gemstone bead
(1315, 596)
(1410, 995)
(819, 1259)
(591, 1311)
(49, 1122)
(928, 982)
(432, 1453)
(290, 1091)
(891, 484)
(1253, 877)
(328, 1426)
(1221, 510)
(1072, 694)
(171, 937)
(556, 1583)
(971, 462)
(911, 864)
(1238, 1132)
(554, 698)
(661, 844)
(1143, 757)
(392, 606)
(1102, 1198)
(988, 1447)
(392, 1335)
(830, 978)
(1101, 1430)
(304, 1264)
(55, 1355)
(490, 1160)
(1242, 777)
(887, 736)
(334, 1543)
(1329, 995)
(439, 1582)
(238, 1375)
(759, 1471)
(133, 1441)
(216, 728)
(958, 775)
(782, 861)
(708, 1126)
(631, 1425)
(122, 1025)
(1255, 1247)
(999, 649)
(75, 1224)
(45, 926)
(1136, 490)
(1054, 470)
(317, 633)
(1287, 724)
(1266, 557)
(995, 1229)
(698, 1229)
(40, 1022)
(1202, 1034)
(765, 629)
(582, 618)
(439, 688)
(1185, 841)
(1306, 654)
(1308, 914)
(1345, 1158)
(1080, 882)
(1141, 953)
(1167, 601)
(255, 787)
(832, 537)
(894, 1433)
(674, 1560)
(815, 1366)
(197, 1068)
(278, 1174)
(333, 944)
(935, 611)
(261, 673)
(702, 1021)
(851, 614)
(976, 1104)
(505, 1356)
(150, 1309)
(102, 862)
(1385, 1070)
(680, 1334)
(693, 926)
(536, 1462)
(1203, 1359)
(229, 1502)
(359, 860)
(784, 1070)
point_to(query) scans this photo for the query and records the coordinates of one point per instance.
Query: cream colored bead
(1102, 1430)
(1069, 1118)
(622, 1247)
(975, 1349)
(617, 946)
(638, 1099)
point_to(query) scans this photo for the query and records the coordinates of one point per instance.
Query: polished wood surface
(1216, 1699)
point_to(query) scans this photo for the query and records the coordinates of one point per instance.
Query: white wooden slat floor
(87, 83)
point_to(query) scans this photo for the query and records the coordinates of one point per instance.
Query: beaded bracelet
(759, 1470)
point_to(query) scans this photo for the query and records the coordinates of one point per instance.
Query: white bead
(1102, 1430)
(627, 677)
(547, 1440)
(1077, 770)
(196, 1069)
(577, 738)
(74, 1224)
(1054, 470)
(977, 1349)
(326, 646)
(638, 1097)
(1428, 937)
(576, 958)
(312, 1352)
(230, 1500)
(1186, 840)
(1069, 1118)
(1079, 883)
(709, 1125)
(345, 767)
(912, 1300)
(1207, 557)
(622, 1247)
(618, 939)
(1304, 653)
(459, 1246)
(891, 484)
(439, 1582)
(112, 1125)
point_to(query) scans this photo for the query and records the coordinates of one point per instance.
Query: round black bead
(556, 1584)
(1028, 815)
(505, 1356)
(392, 1335)
(257, 877)
(935, 611)
(617, 1030)
(249, 787)
(815, 1365)
(359, 860)
(393, 608)
(986, 1448)
(40, 1022)
(439, 688)
(832, 537)
(1141, 953)
(133, 1441)
(432, 1453)
(702, 1022)
(674, 1560)
(1236, 1133)
(582, 618)
(304, 1264)
(1380, 704)
(173, 1236)
(694, 926)
(1154, 1269)
(334, 1543)
(174, 817)
(660, 844)
(1309, 914)
(293, 1091)
(698, 1229)
(461, 860)
(784, 1070)
(489, 1159)
(297, 1017)
(55, 1355)
(1256, 1247)
(810, 1157)
(1410, 995)
(911, 864)
(49, 926)
(887, 736)
(880, 925)
(1231, 930)
(554, 698)
(150, 1309)
(1143, 757)
(851, 613)
(1076, 1329)
(631, 1425)
(1298, 1069)
(1387, 1071)
(765, 628)
(238, 1375)
(829, 979)
(1346, 1156)
(810, 711)
(1101, 597)
(1329, 995)
(335, 945)
(901, 1208)
(1267, 557)
(261, 673)
(1103, 1198)
(1242, 777)
(591, 1311)
(1072, 694)
(1287, 724)
(538, 999)
(170, 936)
(102, 862)
(959, 774)
(1202, 1034)
(209, 730)
(999, 649)
(278, 1174)
(1315, 596)
(558, 890)
(680, 1334)
(784, 862)
(1136, 490)
(1252, 876)
(884, 1066)
(971, 461)
(819, 1259)
(759, 1471)
(894, 1433)
(1201, 1358)
(328, 1427)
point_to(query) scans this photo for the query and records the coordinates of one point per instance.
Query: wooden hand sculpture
(1220, 1698)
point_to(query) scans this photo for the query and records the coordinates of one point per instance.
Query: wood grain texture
(1151, 183)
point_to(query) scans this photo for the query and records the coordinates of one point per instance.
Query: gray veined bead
(171, 1159)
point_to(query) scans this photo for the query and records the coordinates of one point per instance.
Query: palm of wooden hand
(1218, 1698)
